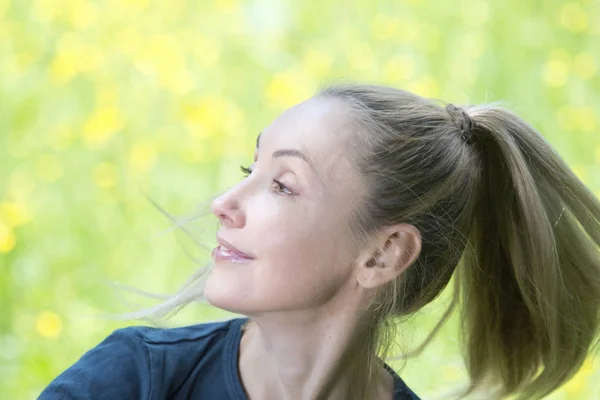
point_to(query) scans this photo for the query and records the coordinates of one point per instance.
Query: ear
(393, 251)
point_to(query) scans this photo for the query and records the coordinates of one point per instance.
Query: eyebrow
(288, 153)
(292, 153)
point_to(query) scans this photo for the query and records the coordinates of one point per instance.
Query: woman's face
(292, 215)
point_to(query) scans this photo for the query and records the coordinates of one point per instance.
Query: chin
(223, 295)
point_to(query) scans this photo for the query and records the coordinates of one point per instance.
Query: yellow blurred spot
(572, 118)
(179, 82)
(72, 57)
(49, 167)
(476, 13)
(588, 366)
(25, 59)
(317, 62)
(384, 27)
(210, 53)
(8, 239)
(206, 51)
(399, 69)
(426, 87)
(82, 14)
(14, 214)
(360, 56)
(142, 158)
(430, 40)
(235, 123)
(205, 117)
(4, 4)
(61, 137)
(555, 73)
(408, 30)
(102, 125)
(580, 172)
(161, 57)
(566, 118)
(239, 142)
(48, 324)
(579, 381)
(46, 10)
(463, 71)
(598, 154)
(585, 65)
(227, 5)
(193, 154)
(106, 94)
(105, 175)
(288, 88)
(127, 39)
(574, 17)
(560, 54)
(587, 119)
(90, 58)
(452, 374)
(474, 45)
(21, 184)
(155, 54)
(66, 62)
(137, 4)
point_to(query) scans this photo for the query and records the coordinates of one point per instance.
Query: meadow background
(103, 103)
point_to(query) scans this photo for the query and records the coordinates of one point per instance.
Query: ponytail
(530, 280)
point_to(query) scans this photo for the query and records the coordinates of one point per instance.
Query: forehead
(321, 129)
(318, 127)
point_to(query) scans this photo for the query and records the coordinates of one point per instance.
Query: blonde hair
(497, 205)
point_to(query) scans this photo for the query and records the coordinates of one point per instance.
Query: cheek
(299, 235)
(309, 256)
(303, 258)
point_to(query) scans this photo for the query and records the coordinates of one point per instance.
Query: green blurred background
(102, 101)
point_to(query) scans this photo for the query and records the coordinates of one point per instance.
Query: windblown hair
(498, 209)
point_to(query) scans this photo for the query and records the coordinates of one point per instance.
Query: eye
(281, 188)
(278, 186)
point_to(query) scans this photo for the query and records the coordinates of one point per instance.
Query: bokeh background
(104, 102)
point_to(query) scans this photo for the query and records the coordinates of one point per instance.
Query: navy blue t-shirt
(192, 362)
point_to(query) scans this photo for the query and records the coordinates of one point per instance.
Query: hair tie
(462, 120)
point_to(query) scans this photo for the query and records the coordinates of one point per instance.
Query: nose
(227, 208)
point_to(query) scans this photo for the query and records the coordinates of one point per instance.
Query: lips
(228, 252)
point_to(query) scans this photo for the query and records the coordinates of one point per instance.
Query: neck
(304, 353)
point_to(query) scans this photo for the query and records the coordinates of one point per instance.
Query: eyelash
(247, 171)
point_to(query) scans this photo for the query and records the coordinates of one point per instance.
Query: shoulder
(118, 367)
(177, 350)
(140, 362)
(174, 353)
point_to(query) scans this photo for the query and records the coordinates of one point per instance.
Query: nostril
(224, 217)
(218, 207)
(227, 209)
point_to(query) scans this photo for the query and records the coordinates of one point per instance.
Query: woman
(360, 205)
